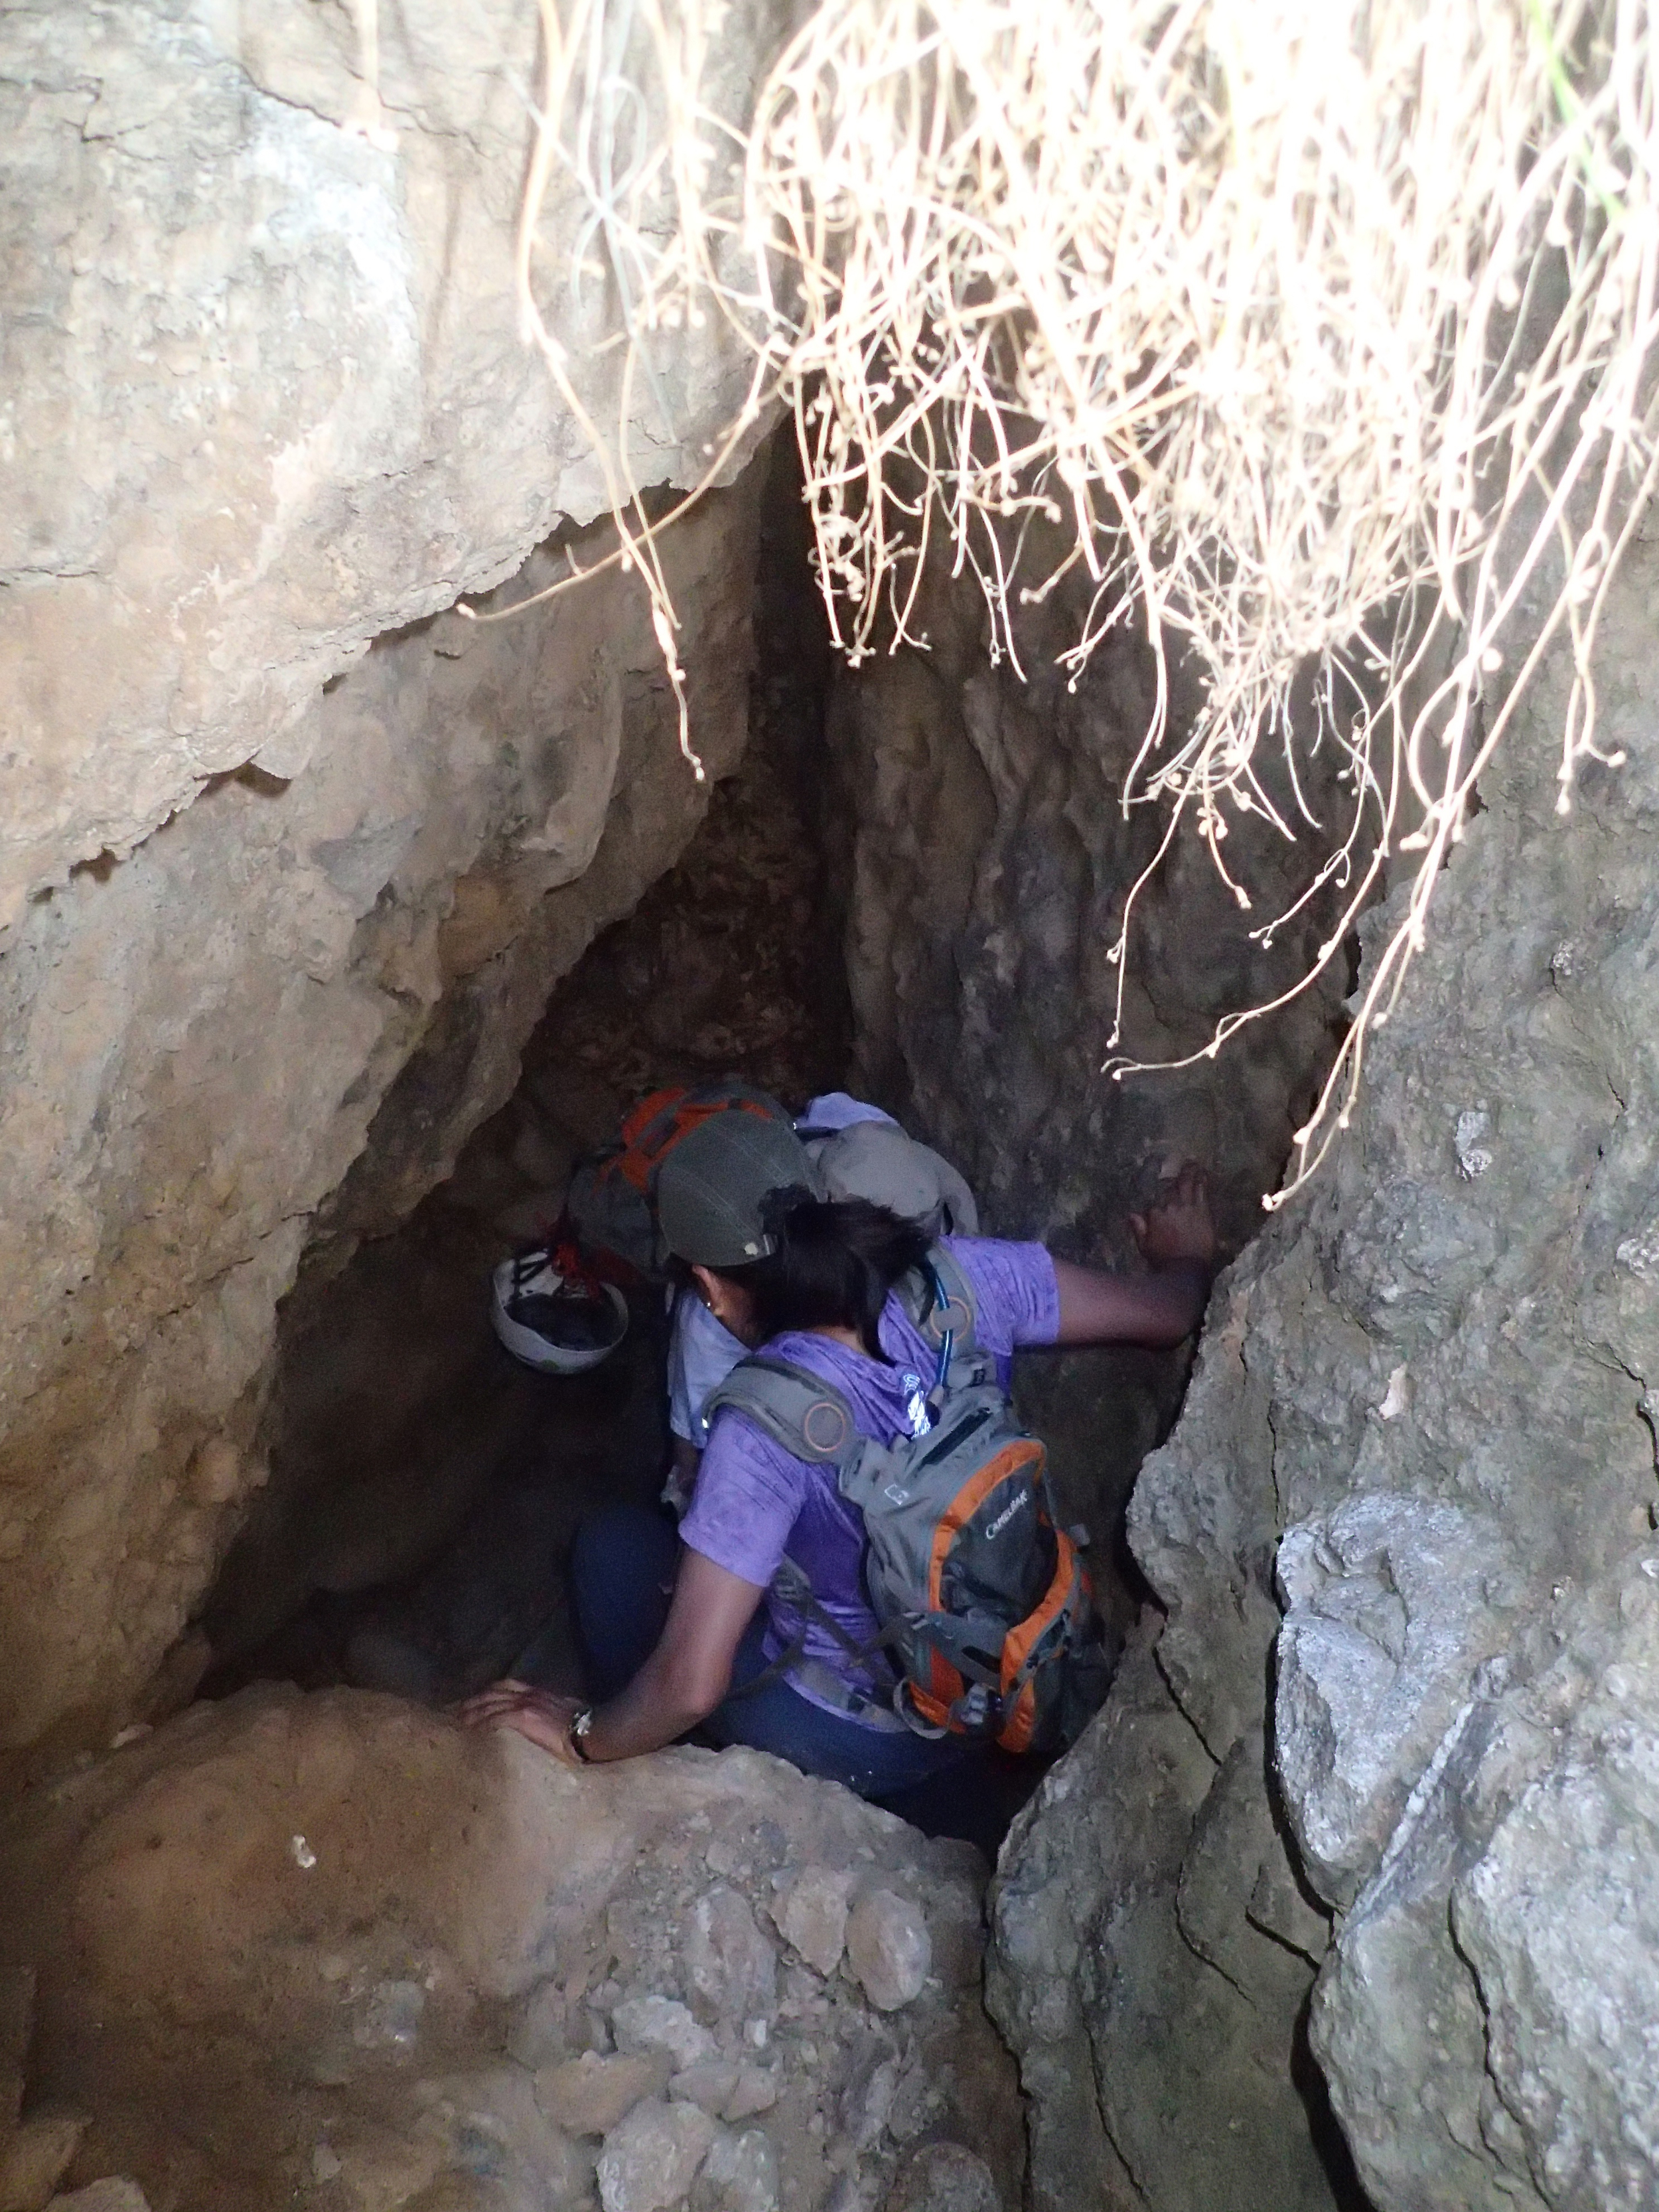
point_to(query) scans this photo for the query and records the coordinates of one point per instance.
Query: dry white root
(1320, 331)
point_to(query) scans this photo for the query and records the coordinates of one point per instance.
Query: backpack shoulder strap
(809, 1417)
(957, 1310)
(941, 1304)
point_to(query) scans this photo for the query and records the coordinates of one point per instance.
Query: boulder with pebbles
(335, 1951)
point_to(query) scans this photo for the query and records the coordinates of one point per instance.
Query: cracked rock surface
(265, 393)
(1374, 1816)
(276, 1022)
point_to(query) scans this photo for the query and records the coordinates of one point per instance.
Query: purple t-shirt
(755, 1501)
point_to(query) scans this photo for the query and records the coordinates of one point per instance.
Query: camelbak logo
(1008, 1513)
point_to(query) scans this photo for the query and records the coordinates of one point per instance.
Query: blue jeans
(622, 1568)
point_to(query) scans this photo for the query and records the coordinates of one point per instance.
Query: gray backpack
(980, 1597)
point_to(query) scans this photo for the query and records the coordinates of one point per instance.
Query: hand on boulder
(539, 1714)
(1176, 1225)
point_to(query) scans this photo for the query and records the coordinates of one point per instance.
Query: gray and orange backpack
(610, 1210)
(980, 1595)
(560, 1308)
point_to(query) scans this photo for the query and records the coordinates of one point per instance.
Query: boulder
(651, 2158)
(291, 1943)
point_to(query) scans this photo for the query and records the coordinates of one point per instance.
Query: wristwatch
(581, 1724)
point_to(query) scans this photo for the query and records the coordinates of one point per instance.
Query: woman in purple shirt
(672, 1645)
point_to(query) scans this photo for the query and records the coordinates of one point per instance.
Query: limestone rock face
(1127, 1924)
(199, 1041)
(1399, 1716)
(987, 860)
(1390, 1604)
(287, 1944)
(1516, 1916)
(266, 396)
(268, 832)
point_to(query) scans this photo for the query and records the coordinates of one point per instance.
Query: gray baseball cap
(712, 1187)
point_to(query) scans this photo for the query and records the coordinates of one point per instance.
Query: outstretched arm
(1177, 1235)
(680, 1684)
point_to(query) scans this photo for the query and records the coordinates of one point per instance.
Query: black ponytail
(833, 1263)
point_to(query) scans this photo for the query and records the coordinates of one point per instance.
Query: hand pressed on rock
(1176, 1225)
(540, 1716)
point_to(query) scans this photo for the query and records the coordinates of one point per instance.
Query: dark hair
(834, 1264)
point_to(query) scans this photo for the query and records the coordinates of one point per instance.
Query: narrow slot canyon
(413, 1533)
(399, 1496)
(372, 842)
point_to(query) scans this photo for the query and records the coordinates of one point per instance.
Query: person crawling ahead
(761, 1623)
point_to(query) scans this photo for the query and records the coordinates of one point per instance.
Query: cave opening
(353, 880)
(900, 888)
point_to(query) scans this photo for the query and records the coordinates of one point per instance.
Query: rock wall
(201, 1041)
(288, 859)
(1388, 1775)
(989, 858)
(986, 858)
(264, 395)
(394, 1416)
